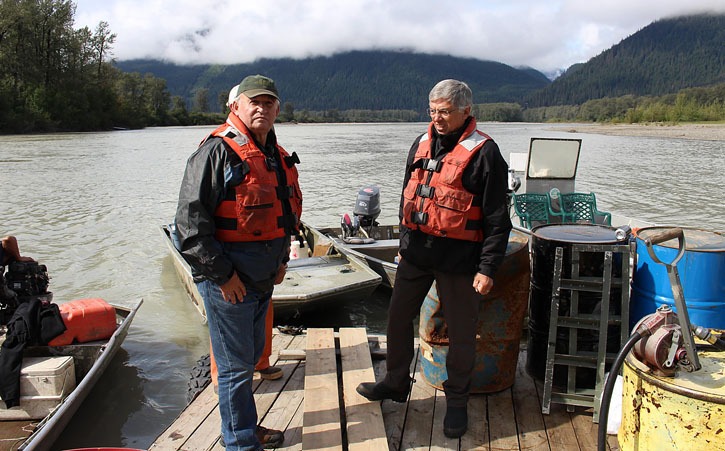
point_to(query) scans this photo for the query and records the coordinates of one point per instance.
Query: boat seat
(582, 207)
(377, 243)
(309, 261)
(532, 209)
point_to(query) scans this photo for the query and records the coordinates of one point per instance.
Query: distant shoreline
(706, 132)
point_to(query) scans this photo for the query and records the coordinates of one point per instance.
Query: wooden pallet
(317, 407)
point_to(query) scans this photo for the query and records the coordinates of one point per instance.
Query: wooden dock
(323, 368)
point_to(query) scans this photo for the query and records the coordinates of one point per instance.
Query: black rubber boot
(380, 391)
(455, 424)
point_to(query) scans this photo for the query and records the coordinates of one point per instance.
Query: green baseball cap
(257, 85)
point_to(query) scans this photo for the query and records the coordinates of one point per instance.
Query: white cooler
(44, 383)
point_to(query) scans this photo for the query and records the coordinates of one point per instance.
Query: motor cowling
(358, 228)
(367, 206)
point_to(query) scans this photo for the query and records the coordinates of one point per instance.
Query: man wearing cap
(239, 203)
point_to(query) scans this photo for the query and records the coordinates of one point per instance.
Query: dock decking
(324, 367)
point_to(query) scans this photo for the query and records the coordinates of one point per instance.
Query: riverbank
(707, 132)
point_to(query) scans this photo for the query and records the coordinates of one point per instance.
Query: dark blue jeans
(237, 340)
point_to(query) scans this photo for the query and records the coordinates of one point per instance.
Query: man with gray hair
(454, 229)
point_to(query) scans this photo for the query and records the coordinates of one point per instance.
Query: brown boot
(269, 438)
(271, 373)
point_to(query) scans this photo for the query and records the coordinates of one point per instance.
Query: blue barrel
(702, 275)
(500, 325)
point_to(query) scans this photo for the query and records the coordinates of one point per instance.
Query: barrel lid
(708, 383)
(695, 239)
(517, 240)
(577, 233)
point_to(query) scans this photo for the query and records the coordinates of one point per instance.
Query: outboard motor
(367, 209)
(367, 206)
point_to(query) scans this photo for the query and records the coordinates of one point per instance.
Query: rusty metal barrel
(500, 326)
(686, 411)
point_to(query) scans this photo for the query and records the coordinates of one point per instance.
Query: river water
(88, 205)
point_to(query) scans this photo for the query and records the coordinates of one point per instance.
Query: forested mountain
(374, 80)
(662, 58)
(54, 77)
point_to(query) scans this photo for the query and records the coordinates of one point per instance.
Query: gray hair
(457, 92)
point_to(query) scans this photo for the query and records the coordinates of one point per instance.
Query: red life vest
(256, 213)
(435, 201)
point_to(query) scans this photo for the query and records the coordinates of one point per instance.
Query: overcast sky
(544, 34)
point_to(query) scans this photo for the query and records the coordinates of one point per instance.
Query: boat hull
(378, 252)
(322, 276)
(91, 360)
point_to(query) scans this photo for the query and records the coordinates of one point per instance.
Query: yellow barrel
(667, 413)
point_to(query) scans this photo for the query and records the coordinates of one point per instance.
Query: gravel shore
(707, 132)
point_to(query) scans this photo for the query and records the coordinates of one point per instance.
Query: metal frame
(574, 321)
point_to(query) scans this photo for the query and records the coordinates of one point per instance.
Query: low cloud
(544, 35)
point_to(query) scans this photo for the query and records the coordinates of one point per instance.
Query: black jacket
(210, 172)
(33, 323)
(487, 176)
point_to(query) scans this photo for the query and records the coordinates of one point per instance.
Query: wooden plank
(207, 434)
(286, 406)
(612, 442)
(268, 391)
(503, 430)
(393, 412)
(292, 354)
(560, 430)
(584, 427)
(293, 432)
(439, 442)
(280, 342)
(188, 421)
(419, 418)
(477, 437)
(321, 428)
(417, 425)
(364, 419)
(531, 430)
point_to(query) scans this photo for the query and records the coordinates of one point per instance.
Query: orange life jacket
(255, 212)
(435, 201)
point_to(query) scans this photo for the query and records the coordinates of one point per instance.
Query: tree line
(54, 77)
(703, 104)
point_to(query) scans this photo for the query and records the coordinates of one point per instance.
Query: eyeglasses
(443, 112)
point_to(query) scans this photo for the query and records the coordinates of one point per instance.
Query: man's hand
(482, 284)
(281, 272)
(234, 290)
(11, 250)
